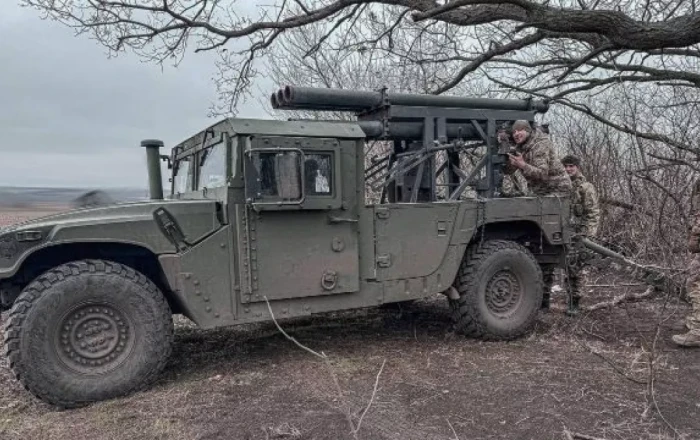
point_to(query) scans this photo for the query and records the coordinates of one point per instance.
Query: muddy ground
(587, 375)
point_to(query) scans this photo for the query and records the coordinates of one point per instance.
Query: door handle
(333, 219)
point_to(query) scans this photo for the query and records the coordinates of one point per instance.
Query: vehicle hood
(131, 223)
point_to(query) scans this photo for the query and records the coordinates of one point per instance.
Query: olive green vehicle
(277, 212)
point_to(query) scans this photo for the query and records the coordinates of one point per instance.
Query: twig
(614, 367)
(374, 393)
(578, 436)
(452, 428)
(345, 406)
(590, 333)
(568, 435)
(321, 355)
(652, 372)
(339, 390)
(620, 299)
(618, 285)
(346, 409)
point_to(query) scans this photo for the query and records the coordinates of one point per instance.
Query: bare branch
(578, 436)
(624, 205)
(374, 393)
(495, 51)
(626, 297)
(587, 110)
(594, 53)
(291, 338)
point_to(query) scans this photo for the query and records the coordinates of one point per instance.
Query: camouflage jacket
(514, 185)
(584, 206)
(543, 171)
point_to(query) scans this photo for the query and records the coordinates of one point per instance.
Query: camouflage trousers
(576, 280)
(575, 273)
(692, 286)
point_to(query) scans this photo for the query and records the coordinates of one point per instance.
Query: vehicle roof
(273, 127)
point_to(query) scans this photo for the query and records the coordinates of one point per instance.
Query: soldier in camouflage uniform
(536, 159)
(585, 218)
(692, 283)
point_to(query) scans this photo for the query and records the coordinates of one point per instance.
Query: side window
(318, 174)
(212, 167)
(233, 142)
(265, 166)
(183, 175)
(278, 174)
(283, 173)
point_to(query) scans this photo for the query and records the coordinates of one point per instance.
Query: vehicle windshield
(182, 175)
(212, 167)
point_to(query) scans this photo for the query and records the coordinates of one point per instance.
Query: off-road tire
(87, 331)
(500, 291)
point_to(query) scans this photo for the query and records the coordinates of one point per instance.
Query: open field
(10, 215)
(587, 375)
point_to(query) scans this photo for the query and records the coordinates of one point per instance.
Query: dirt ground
(587, 375)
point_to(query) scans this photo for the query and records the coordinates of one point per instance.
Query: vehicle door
(299, 234)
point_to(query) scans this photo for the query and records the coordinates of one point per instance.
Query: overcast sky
(69, 116)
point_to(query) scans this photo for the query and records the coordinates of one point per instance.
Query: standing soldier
(585, 218)
(545, 175)
(692, 283)
(536, 159)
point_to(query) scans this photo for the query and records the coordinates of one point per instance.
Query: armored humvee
(269, 213)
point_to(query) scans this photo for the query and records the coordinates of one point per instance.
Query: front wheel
(500, 291)
(87, 331)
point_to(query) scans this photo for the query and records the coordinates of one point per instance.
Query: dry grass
(252, 383)
(575, 376)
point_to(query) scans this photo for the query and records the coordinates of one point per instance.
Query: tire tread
(34, 291)
(464, 312)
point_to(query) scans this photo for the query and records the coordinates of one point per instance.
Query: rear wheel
(500, 291)
(88, 331)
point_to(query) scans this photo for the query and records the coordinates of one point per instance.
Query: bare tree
(582, 44)
(629, 66)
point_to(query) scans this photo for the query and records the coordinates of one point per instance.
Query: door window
(278, 174)
(318, 174)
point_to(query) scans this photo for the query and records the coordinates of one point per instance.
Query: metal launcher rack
(426, 134)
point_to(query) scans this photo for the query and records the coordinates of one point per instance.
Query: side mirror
(166, 158)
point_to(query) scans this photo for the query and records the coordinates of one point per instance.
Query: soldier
(537, 161)
(692, 283)
(585, 218)
(544, 173)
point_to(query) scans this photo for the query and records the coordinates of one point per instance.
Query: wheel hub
(503, 292)
(94, 339)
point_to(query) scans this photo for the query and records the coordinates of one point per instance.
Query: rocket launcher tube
(318, 98)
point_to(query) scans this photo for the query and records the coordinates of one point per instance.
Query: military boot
(690, 339)
(545, 300)
(548, 283)
(573, 308)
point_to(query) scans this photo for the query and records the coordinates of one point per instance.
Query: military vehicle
(273, 213)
